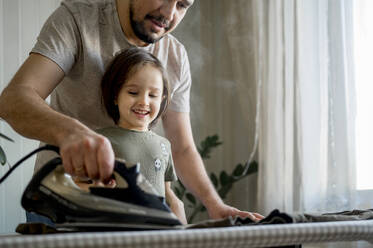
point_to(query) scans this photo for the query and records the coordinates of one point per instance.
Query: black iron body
(52, 193)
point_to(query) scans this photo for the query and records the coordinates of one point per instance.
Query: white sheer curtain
(306, 136)
(306, 133)
(306, 99)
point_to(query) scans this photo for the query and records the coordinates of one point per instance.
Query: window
(363, 50)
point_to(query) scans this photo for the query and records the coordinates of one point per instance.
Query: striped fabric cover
(244, 236)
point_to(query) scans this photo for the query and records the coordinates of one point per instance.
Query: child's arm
(176, 205)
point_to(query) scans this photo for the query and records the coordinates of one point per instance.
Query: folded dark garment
(277, 217)
(338, 216)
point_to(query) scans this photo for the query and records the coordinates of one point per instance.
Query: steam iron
(132, 205)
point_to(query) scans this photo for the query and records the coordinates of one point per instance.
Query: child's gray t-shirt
(152, 151)
(82, 37)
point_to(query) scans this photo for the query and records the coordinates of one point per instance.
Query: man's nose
(168, 9)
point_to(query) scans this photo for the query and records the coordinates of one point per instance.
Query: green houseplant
(223, 181)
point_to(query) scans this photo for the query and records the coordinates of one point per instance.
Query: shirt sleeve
(170, 174)
(180, 101)
(59, 39)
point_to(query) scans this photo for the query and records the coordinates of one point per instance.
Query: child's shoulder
(160, 138)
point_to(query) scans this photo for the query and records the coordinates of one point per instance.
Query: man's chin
(150, 38)
(146, 33)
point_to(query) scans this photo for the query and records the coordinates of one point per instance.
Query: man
(73, 49)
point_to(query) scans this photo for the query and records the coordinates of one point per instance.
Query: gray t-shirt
(152, 151)
(82, 37)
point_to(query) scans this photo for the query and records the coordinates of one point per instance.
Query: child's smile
(140, 98)
(140, 112)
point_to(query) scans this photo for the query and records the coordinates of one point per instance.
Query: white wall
(20, 23)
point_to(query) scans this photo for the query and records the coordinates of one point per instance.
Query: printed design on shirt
(158, 164)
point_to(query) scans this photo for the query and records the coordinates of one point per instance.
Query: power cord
(43, 148)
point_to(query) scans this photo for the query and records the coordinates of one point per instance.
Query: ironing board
(244, 236)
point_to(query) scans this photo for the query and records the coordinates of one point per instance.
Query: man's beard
(138, 28)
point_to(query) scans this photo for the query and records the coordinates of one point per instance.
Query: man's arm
(190, 169)
(23, 106)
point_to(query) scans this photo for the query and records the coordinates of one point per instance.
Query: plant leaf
(181, 186)
(2, 156)
(224, 190)
(253, 168)
(214, 180)
(207, 144)
(224, 178)
(178, 193)
(191, 198)
(238, 170)
(6, 137)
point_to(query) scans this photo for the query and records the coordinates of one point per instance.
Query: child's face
(140, 98)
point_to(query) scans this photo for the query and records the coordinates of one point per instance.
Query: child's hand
(177, 208)
(111, 184)
(84, 185)
(176, 205)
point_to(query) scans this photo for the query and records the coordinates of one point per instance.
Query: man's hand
(87, 154)
(23, 106)
(223, 211)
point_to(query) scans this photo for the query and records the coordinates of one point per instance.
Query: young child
(135, 94)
